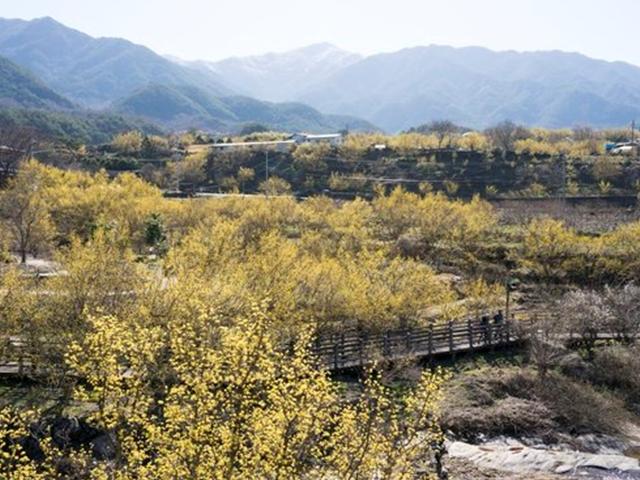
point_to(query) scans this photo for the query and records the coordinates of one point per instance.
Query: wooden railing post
(507, 331)
(20, 360)
(490, 335)
(451, 336)
(470, 332)
(386, 349)
(430, 342)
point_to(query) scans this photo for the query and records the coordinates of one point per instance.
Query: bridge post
(490, 332)
(507, 331)
(430, 342)
(408, 340)
(470, 332)
(451, 350)
(386, 348)
(20, 361)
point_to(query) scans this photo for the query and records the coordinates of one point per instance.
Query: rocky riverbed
(598, 457)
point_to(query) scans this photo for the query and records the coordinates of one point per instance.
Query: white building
(332, 138)
(280, 145)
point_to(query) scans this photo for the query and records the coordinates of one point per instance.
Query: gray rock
(574, 366)
(526, 459)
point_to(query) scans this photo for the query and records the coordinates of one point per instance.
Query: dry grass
(618, 368)
(512, 401)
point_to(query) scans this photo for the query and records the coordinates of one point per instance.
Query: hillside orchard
(182, 326)
(504, 161)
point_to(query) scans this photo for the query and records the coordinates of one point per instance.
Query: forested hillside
(91, 71)
(183, 107)
(79, 127)
(18, 88)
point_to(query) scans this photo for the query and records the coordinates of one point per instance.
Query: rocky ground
(512, 459)
(463, 469)
(502, 421)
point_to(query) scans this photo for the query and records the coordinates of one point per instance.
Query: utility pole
(563, 191)
(507, 311)
(509, 285)
(29, 151)
(266, 164)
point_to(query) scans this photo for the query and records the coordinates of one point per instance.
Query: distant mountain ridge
(92, 71)
(179, 107)
(281, 76)
(472, 86)
(110, 74)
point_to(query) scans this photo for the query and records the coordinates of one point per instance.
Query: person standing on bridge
(498, 323)
(484, 325)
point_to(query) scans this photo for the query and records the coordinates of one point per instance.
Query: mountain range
(115, 75)
(472, 86)
(92, 71)
(46, 65)
(281, 77)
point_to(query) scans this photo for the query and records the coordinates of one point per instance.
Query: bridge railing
(350, 348)
(356, 349)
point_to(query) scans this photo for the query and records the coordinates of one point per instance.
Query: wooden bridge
(353, 349)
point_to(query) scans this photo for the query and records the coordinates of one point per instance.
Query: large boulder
(573, 365)
(524, 459)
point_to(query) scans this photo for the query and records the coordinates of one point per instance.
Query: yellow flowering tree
(202, 396)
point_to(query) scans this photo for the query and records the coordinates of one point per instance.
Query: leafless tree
(443, 130)
(505, 134)
(624, 308)
(585, 314)
(15, 145)
(582, 133)
(544, 335)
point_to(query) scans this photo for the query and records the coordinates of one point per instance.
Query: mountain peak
(321, 48)
(92, 71)
(281, 76)
(50, 24)
(46, 20)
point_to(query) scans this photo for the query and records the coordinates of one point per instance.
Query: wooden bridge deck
(353, 349)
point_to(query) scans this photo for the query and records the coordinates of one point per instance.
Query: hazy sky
(210, 30)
